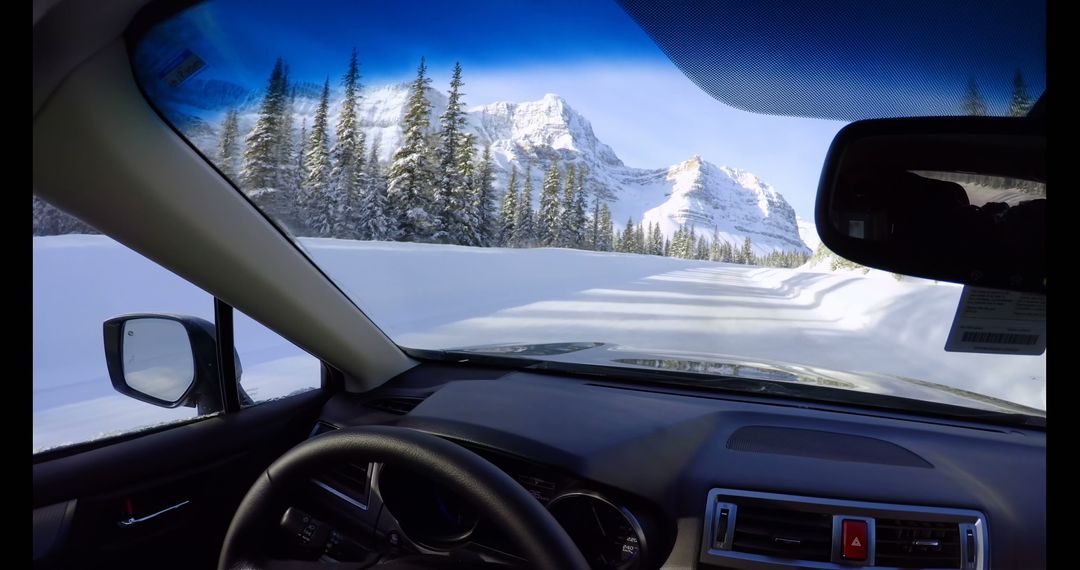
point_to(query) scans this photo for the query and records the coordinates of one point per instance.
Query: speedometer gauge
(608, 536)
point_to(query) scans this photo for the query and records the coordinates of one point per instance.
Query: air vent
(399, 405)
(917, 544)
(784, 533)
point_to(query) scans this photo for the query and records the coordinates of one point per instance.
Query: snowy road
(432, 296)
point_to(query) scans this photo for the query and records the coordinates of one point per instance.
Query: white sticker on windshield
(994, 321)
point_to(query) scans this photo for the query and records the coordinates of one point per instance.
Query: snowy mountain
(808, 232)
(728, 202)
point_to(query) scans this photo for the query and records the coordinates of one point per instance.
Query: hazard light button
(854, 540)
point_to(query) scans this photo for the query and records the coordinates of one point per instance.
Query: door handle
(131, 521)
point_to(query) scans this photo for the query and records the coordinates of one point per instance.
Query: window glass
(272, 367)
(80, 281)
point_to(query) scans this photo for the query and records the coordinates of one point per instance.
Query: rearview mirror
(165, 360)
(960, 199)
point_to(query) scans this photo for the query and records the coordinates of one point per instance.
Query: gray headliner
(102, 154)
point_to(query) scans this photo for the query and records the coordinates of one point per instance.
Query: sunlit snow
(441, 296)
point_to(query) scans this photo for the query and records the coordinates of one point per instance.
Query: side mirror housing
(960, 199)
(164, 360)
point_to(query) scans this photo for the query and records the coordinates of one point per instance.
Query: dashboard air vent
(784, 533)
(917, 544)
(399, 405)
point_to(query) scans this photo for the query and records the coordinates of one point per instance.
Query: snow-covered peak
(545, 129)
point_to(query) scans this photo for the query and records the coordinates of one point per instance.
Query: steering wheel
(486, 488)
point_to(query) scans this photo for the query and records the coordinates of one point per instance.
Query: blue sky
(590, 52)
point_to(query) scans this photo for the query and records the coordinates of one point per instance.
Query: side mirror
(960, 199)
(165, 360)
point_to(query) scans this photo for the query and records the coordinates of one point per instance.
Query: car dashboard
(643, 478)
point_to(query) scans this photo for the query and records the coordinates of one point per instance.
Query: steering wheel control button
(854, 537)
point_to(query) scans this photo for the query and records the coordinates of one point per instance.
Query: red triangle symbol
(856, 542)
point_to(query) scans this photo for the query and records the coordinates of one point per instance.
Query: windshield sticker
(181, 68)
(993, 321)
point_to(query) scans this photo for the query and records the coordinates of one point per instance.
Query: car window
(272, 366)
(81, 279)
(586, 200)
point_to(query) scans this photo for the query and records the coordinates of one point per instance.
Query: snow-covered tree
(525, 220)
(566, 230)
(411, 177)
(701, 251)
(508, 211)
(573, 221)
(628, 240)
(747, 253)
(592, 239)
(375, 218)
(656, 240)
(1020, 103)
(450, 177)
(320, 205)
(484, 192)
(547, 219)
(347, 156)
(973, 103)
(228, 150)
(460, 218)
(607, 230)
(260, 170)
(299, 170)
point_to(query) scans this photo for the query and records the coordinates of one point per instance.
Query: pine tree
(973, 103)
(573, 223)
(347, 155)
(228, 151)
(628, 240)
(411, 177)
(460, 219)
(580, 220)
(375, 219)
(299, 170)
(656, 239)
(524, 221)
(261, 145)
(747, 251)
(286, 181)
(607, 230)
(547, 222)
(593, 241)
(714, 246)
(701, 252)
(451, 177)
(319, 206)
(508, 211)
(565, 228)
(1021, 101)
(640, 240)
(484, 196)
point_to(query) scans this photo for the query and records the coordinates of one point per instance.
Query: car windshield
(559, 181)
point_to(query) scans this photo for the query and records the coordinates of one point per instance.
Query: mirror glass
(950, 204)
(157, 358)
